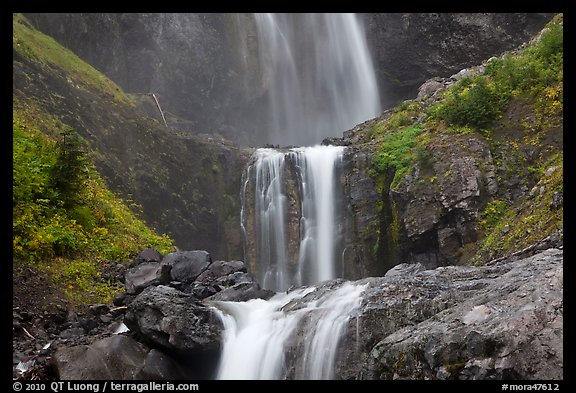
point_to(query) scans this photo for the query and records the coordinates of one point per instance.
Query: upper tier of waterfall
(318, 74)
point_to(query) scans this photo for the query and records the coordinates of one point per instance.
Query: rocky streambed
(503, 320)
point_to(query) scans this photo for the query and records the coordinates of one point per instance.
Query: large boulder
(219, 269)
(187, 265)
(242, 292)
(146, 274)
(175, 321)
(115, 358)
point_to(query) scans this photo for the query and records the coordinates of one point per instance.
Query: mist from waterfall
(318, 74)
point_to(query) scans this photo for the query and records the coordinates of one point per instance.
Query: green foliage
(514, 227)
(403, 115)
(396, 153)
(69, 172)
(44, 50)
(535, 73)
(63, 211)
(492, 213)
(81, 281)
(474, 102)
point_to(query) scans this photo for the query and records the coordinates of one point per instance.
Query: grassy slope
(516, 107)
(71, 244)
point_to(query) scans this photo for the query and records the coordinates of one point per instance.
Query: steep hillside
(198, 178)
(470, 170)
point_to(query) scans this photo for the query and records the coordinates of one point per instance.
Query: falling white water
(318, 76)
(320, 195)
(318, 73)
(320, 208)
(270, 208)
(256, 333)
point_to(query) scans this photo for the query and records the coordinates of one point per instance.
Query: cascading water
(319, 80)
(318, 74)
(316, 233)
(258, 332)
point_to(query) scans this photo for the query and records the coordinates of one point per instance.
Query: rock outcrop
(503, 321)
(174, 321)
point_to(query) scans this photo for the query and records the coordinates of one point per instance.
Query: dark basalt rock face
(204, 68)
(173, 321)
(409, 48)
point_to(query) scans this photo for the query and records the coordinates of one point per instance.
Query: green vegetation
(525, 224)
(65, 220)
(492, 214)
(30, 43)
(471, 103)
(516, 107)
(397, 153)
(535, 74)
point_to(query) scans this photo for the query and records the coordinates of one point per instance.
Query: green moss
(455, 368)
(492, 213)
(42, 49)
(396, 154)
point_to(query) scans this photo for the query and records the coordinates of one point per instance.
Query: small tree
(69, 172)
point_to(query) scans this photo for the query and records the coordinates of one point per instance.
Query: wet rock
(99, 309)
(146, 274)
(122, 299)
(114, 358)
(72, 332)
(242, 292)
(234, 278)
(147, 255)
(460, 322)
(219, 269)
(187, 265)
(174, 321)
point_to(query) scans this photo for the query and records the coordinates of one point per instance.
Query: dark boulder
(187, 265)
(146, 274)
(115, 358)
(242, 292)
(219, 269)
(147, 255)
(174, 321)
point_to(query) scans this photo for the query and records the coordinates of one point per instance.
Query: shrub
(471, 103)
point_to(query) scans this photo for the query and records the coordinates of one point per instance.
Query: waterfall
(258, 333)
(314, 239)
(318, 74)
(319, 81)
(321, 208)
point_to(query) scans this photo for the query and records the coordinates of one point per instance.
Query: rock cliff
(205, 67)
